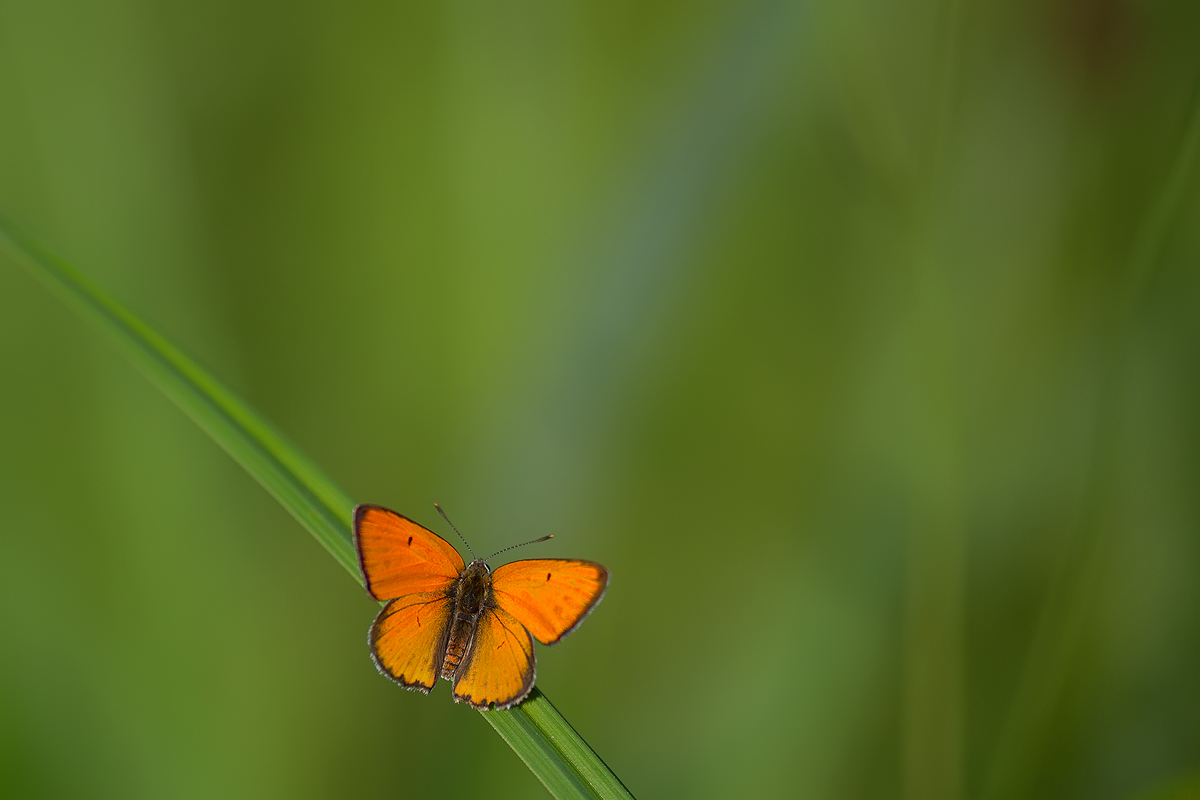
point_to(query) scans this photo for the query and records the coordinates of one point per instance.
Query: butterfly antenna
(464, 539)
(515, 546)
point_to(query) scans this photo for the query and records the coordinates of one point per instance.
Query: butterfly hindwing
(549, 596)
(499, 668)
(398, 557)
(408, 639)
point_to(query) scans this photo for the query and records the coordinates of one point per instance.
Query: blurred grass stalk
(535, 730)
(934, 668)
(1064, 619)
(935, 618)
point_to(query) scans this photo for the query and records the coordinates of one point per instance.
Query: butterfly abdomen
(472, 594)
(461, 635)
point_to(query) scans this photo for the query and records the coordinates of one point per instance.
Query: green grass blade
(554, 752)
(535, 730)
(310, 496)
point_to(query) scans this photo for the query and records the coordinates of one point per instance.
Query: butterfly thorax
(472, 594)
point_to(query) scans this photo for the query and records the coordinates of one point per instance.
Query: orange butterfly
(464, 622)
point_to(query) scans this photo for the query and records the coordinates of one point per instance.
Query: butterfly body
(473, 596)
(463, 622)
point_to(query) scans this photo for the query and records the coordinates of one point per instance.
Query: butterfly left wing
(500, 665)
(408, 639)
(549, 596)
(399, 557)
(414, 568)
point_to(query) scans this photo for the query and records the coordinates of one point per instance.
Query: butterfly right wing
(499, 668)
(398, 557)
(408, 639)
(549, 596)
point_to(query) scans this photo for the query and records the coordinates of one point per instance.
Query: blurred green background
(821, 324)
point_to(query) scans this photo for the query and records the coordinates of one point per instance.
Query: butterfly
(463, 622)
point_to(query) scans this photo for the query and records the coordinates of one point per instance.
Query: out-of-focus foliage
(813, 321)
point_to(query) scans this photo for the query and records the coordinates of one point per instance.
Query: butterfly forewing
(499, 667)
(398, 557)
(408, 639)
(549, 596)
